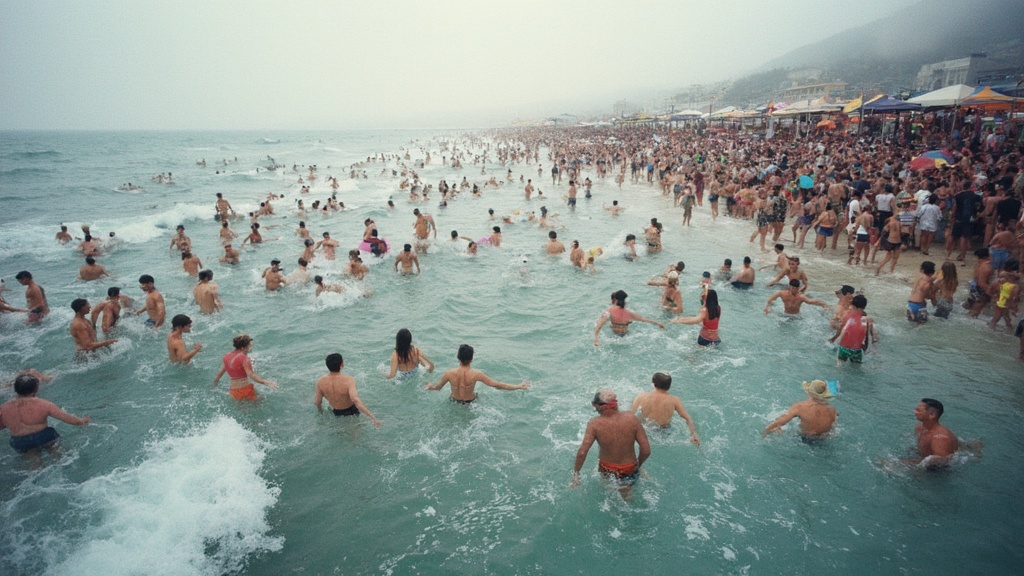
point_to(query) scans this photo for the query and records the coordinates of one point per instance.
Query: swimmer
(223, 207)
(176, 350)
(630, 244)
(792, 299)
(464, 379)
(35, 297)
(340, 391)
(671, 297)
(653, 235)
(658, 405)
(423, 226)
(206, 294)
(708, 318)
(406, 260)
(935, 443)
(26, 417)
(356, 268)
(322, 287)
(792, 272)
(191, 263)
(620, 317)
(63, 236)
(615, 209)
(230, 255)
(576, 254)
(180, 241)
(616, 433)
(917, 309)
(744, 279)
(239, 369)
(273, 276)
(328, 244)
(92, 270)
(89, 246)
(82, 331)
(110, 309)
(406, 358)
(553, 246)
(301, 274)
(855, 333)
(154, 307)
(816, 416)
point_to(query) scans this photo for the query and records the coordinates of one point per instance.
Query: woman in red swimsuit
(708, 318)
(239, 368)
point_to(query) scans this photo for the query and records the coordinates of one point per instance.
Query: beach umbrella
(925, 163)
(827, 124)
(939, 155)
(806, 182)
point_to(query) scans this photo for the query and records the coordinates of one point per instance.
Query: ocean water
(173, 477)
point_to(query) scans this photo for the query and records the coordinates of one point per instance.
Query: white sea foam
(195, 505)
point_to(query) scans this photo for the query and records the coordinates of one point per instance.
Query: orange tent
(990, 99)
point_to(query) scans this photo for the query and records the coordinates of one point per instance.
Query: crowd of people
(828, 185)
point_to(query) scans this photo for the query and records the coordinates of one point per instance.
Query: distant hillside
(887, 54)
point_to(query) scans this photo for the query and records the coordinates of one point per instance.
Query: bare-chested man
(576, 254)
(842, 307)
(340, 391)
(26, 417)
(935, 443)
(917, 307)
(528, 190)
(223, 208)
(615, 209)
(792, 299)
(273, 277)
(553, 246)
(154, 307)
(744, 279)
(63, 236)
(180, 241)
(91, 270)
(35, 297)
(464, 379)
(206, 293)
(328, 244)
(356, 268)
(658, 405)
(423, 226)
(793, 272)
(90, 246)
(109, 311)
(616, 434)
(230, 255)
(405, 260)
(816, 416)
(176, 350)
(82, 331)
(191, 263)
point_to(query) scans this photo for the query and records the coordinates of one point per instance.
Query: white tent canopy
(948, 96)
(723, 111)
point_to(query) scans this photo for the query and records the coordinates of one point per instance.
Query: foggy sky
(353, 64)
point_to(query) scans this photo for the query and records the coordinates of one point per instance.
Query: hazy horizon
(118, 65)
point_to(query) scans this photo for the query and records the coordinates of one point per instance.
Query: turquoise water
(175, 478)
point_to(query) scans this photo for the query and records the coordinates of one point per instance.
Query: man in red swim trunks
(615, 432)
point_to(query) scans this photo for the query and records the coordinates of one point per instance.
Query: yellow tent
(988, 98)
(856, 103)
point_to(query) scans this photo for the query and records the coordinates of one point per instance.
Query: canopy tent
(988, 98)
(817, 106)
(943, 97)
(720, 113)
(856, 103)
(890, 104)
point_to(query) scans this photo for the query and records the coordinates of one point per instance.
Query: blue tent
(890, 104)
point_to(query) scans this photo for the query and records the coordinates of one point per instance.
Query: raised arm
(640, 318)
(63, 416)
(700, 317)
(440, 384)
(481, 377)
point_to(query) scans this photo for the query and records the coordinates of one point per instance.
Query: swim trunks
(812, 440)
(713, 198)
(626, 473)
(863, 237)
(36, 314)
(350, 411)
(244, 393)
(463, 402)
(43, 438)
(998, 257)
(855, 355)
(823, 231)
(702, 341)
(150, 323)
(943, 308)
(917, 311)
(572, 201)
(742, 285)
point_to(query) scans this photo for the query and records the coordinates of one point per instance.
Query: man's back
(815, 418)
(336, 387)
(658, 407)
(616, 436)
